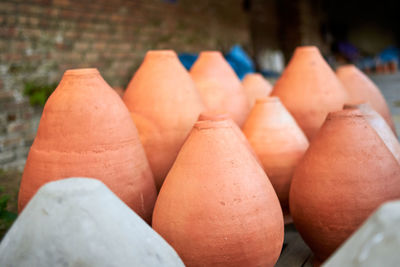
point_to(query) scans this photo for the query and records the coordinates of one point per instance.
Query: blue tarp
(237, 58)
(240, 61)
(389, 54)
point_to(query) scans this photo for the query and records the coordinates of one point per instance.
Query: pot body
(86, 130)
(256, 86)
(309, 89)
(346, 173)
(219, 86)
(164, 104)
(361, 89)
(217, 196)
(278, 142)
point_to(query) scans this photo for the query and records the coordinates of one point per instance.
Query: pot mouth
(161, 53)
(307, 48)
(212, 124)
(350, 106)
(210, 53)
(346, 67)
(267, 99)
(83, 71)
(213, 115)
(358, 105)
(349, 112)
(254, 74)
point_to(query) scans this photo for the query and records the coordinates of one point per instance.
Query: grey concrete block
(376, 242)
(80, 222)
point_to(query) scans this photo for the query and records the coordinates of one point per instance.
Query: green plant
(37, 92)
(6, 217)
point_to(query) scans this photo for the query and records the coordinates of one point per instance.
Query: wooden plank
(295, 252)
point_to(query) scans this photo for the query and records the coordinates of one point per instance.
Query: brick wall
(40, 39)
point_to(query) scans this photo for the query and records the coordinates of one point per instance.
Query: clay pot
(255, 86)
(309, 89)
(86, 130)
(361, 89)
(278, 142)
(219, 86)
(217, 196)
(345, 174)
(381, 127)
(164, 104)
(80, 222)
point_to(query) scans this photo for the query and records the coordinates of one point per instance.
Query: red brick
(81, 46)
(7, 7)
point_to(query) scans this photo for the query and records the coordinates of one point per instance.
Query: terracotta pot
(80, 222)
(217, 196)
(309, 89)
(86, 130)
(164, 104)
(345, 174)
(219, 86)
(255, 86)
(381, 127)
(361, 89)
(278, 142)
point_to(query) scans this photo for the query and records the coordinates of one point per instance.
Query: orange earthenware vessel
(164, 104)
(381, 127)
(219, 86)
(217, 207)
(255, 86)
(309, 89)
(362, 90)
(346, 173)
(278, 142)
(86, 130)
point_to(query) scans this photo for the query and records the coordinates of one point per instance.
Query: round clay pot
(86, 130)
(345, 174)
(217, 197)
(309, 89)
(278, 142)
(381, 127)
(164, 104)
(219, 86)
(255, 86)
(361, 89)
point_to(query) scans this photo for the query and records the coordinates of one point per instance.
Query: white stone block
(80, 222)
(375, 243)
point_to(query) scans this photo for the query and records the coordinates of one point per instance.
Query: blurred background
(40, 39)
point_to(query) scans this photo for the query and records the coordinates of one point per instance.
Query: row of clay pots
(86, 130)
(309, 89)
(205, 198)
(164, 102)
(351, 166)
